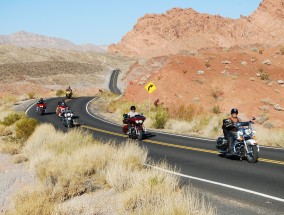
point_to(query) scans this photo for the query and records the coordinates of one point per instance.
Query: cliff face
(180, 30)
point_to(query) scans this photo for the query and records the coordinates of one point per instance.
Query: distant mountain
(179, 30)
(27, 39)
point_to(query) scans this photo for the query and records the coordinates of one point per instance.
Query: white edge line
(26, 112)
(160, 132)
(219, 184)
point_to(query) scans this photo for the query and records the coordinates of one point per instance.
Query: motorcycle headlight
(140, 121)
(247, 131)
(137, 121)
(240, 133)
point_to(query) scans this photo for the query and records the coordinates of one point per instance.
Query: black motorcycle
(244, 144)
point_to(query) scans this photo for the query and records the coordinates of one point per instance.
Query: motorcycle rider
(62, 103)
(132, 113)
(69, 89)
(40, 101)
(229, 130)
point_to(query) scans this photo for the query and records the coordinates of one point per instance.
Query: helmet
(132, 108)
(41, 99)
(234, 110)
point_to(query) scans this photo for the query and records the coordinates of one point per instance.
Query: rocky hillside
(182, 30)
(26, 39)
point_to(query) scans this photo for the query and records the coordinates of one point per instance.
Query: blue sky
(101, 22)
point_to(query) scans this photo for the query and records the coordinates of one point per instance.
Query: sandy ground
(13, 177)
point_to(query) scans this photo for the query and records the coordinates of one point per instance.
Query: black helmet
(41, 99)
(234, 110)
(132, 108)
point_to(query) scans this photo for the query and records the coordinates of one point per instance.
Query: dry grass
(187, 113)
(203, 126)
(157, 192)
(72, 164)
(267, 137)
(34, 200)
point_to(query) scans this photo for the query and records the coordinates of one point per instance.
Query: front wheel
(140, 136)
(252, 154)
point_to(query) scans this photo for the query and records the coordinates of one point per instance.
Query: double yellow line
(176, 146)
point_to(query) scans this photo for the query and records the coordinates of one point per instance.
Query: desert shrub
(25, 127)
(31, 95)
(260, 51)
(268, 125)
(264, 76)
(60, 93)
(34, 201)
(207, 64)
(11, 119)
(217, 93)
(5, 131)
(200, 123)
(187, 113)
(216, 109)
(161, 118)
(11, 146)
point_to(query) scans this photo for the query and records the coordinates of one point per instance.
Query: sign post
(150, 87)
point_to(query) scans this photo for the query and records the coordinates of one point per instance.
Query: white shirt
(132, 114)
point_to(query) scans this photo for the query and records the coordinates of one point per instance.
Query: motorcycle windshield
(239, 124)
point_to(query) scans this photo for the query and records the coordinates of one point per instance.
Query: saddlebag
(221, 143)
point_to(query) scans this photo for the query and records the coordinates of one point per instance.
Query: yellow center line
(176, 146)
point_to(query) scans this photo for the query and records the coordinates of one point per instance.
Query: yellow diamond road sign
(150, 87)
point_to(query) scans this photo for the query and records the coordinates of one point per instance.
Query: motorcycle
(245, 145)
(134, 127)
(67, 119)
(61, 109)
(68, 94)
(41, 108)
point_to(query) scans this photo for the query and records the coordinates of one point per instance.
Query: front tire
(140, 137)
(252, 154)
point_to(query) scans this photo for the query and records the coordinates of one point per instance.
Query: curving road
(113, 82)
(237, 187)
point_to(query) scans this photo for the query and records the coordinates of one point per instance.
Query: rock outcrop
(180, 30)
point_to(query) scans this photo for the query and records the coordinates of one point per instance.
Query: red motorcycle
(41, 108)
(134, 127)
(61, 109)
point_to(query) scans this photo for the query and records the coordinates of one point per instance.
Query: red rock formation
(180, 30)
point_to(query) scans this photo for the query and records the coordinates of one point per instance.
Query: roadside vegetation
(15, 127)
(189, 120)
(73, 168)
(72, 165)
